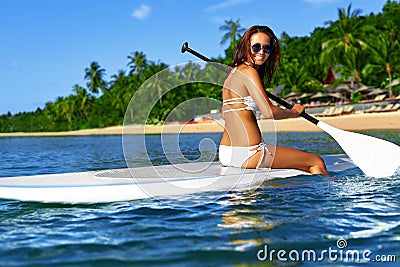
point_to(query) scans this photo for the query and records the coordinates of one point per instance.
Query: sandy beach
(353, 122)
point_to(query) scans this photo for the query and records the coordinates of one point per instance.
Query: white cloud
(225, 4)
(141, 12)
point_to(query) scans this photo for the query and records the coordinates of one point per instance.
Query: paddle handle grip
(185, 47)
(280, 101)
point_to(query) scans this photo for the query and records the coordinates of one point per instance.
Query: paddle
(374, 156)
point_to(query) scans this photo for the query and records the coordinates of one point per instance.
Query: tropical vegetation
(364, 48)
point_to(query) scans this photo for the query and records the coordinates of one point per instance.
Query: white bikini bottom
(236, 156)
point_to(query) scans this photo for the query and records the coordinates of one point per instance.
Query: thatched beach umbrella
(393, 83)
(343, 87)
(319, 95)
(338, 96)
(291, 95)
(304, 95)
(363, 88)
(377, 91)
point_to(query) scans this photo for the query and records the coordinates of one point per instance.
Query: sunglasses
(257, 48)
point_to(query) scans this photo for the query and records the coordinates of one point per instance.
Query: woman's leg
(288, 158)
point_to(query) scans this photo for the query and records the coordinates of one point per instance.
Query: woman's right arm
(283, 113)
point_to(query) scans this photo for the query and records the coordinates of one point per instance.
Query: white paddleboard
(145, 182)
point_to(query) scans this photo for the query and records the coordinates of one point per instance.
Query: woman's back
(241, 127)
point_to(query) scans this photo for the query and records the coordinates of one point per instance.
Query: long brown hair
(243, 53)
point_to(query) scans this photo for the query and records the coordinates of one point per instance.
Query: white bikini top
(247, 100)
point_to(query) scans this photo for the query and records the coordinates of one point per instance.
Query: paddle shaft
(185, 47)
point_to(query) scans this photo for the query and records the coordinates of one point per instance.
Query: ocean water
(346, 219)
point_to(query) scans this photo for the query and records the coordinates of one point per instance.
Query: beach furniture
(395, 107)
(387, 108)
(332, 111)
(378, 108)
(327, 112)
(337, 111)
(348, 110)
(379, 97)
(371, 109)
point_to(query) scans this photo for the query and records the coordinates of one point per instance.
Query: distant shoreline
(353, 122)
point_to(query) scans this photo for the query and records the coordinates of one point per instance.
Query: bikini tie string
(262, 147)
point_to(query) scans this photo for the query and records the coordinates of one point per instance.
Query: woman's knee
(317, 166)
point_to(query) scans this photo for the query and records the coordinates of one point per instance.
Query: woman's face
(259, 43)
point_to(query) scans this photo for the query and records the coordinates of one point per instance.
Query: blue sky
(47, 44)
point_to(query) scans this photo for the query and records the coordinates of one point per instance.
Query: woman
(255, 59)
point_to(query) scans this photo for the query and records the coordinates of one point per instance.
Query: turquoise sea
(346, 219)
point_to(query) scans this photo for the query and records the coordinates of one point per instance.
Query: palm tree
(62, 110)
(120, 91)
(95, 77)
(137, 63)
(344, 46)
(82, 100)
(119, 79)
(284, 38)
(153, 71)
(233, 32)
(384, 57)
(294, 75)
